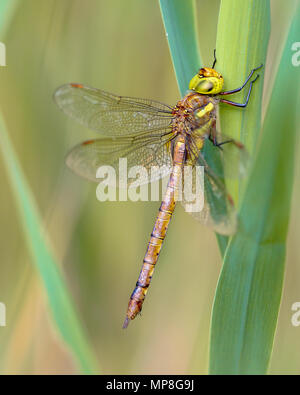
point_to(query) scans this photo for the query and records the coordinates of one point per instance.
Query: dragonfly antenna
(215, 59)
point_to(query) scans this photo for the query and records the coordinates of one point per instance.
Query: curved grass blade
(250, 286)
(249, 23)
(181, 30)
(60, 303)
(242, 40)
(180, 26)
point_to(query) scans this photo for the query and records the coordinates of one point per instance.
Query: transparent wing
(153, 153)
(218, 211)
(110, 114)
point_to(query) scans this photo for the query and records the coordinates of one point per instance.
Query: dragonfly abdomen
(154, 246)
(158, 234)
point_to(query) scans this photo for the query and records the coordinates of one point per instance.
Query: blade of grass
(181, 30)
(250, 286)
(242, 40)
(179, 20)
(249, 23)
(7, 9)
(44, 259)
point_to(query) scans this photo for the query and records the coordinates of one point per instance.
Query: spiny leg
(232, 103)
(213, 139)
(217, 144)
(244, 84)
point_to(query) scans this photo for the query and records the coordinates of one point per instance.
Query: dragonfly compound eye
(206, 85)
(207, 82)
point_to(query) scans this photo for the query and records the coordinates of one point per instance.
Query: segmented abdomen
(158, 234)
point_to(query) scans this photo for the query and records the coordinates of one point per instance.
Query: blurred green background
(119, 46)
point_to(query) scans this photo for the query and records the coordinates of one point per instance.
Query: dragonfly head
(207, 82)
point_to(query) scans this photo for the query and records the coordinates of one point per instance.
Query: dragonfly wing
(218, 211)
(110, 114)
(151, 153)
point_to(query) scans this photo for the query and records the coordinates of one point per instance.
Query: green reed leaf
(250, 286)
(7, 10)
(43, 257)
(242, 40)
(181, 30)
(248, 22)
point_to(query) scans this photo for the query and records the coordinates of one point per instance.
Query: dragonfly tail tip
(126, 323)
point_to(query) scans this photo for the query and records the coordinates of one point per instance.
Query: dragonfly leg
(213, 139)
(232, 103)
(224, 142)
(215, 59)
(244, 84)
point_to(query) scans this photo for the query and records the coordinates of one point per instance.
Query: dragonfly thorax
(194, 114)
(193, 119)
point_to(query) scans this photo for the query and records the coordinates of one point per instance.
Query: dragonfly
(150, 133)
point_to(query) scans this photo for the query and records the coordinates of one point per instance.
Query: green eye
(205, 86)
